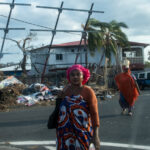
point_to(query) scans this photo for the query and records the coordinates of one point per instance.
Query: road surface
(25, 129)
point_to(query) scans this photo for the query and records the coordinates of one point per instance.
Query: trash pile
(11, 80)
(102, 92)
(35, 93)
(13, 92)
(10, 88)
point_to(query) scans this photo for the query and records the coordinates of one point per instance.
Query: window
(148, 76)
(129, 54)
(141, 75)
(59, 57)
(72, 50)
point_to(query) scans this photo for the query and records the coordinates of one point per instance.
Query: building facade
(61, 56)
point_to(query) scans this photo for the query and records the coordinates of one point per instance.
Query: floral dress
(74, 124)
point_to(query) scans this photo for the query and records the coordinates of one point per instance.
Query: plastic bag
(92, 147)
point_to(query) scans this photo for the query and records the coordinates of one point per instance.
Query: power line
(26, 22)
(33, 24)
(6, 30)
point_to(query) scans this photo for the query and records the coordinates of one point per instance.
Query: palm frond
(108, 36)
(95, 23)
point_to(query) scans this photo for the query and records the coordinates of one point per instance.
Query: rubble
(11, 80)
(102, 92)
(14, 93)
(34, 94)
(8, 95)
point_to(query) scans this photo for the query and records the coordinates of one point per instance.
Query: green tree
(107, 36)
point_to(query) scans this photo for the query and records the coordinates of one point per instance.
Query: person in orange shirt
(128, 88)
(78, 121)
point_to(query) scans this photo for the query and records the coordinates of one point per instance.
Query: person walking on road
(78, 122)
(129, 90)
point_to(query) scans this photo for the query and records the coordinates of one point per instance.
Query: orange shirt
(127, 87)
(88, 94)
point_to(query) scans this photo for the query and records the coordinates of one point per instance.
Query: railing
(135, 60)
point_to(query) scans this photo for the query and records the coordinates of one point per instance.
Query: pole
(6, 29)
(90, 13)
(53, 34)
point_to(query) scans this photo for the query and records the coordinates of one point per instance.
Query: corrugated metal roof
(68, 44)
(138, 44)
(76, 43)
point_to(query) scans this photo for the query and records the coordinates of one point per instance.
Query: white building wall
(68, 58)
(96, 58)
(38, 58)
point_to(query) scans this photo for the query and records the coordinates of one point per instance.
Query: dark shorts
(124, 104)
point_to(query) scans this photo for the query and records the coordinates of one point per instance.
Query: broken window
(59, 57)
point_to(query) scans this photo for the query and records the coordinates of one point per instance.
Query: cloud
(141, 38)
(4, 9)
(135, 13)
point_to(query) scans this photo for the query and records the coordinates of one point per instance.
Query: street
(25, 129)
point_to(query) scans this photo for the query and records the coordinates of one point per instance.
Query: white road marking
(33, 142)
(144, 95)
(48, 144)
(141, 147)
(50, 147)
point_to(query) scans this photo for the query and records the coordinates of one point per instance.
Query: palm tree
(108, 37)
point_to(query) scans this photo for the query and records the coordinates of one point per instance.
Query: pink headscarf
(86, 73)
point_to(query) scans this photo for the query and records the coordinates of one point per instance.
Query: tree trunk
(118, 63)
(106, 73)
(86, 55)
(23, 64)
(99, 65)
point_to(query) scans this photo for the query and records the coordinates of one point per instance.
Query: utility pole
(6, 29)
(60, 9)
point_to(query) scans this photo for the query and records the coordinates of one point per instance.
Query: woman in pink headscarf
(78, 122)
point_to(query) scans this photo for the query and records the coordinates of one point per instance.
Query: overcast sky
(135, 13)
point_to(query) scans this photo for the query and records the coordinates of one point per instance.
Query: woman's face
(76, 77)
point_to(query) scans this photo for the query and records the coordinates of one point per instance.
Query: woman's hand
(95, 139)
(60, 94)
(96, 142)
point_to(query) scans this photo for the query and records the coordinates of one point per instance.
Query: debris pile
(8, 95)
(34, 94)
(102, 92)
(13, 92)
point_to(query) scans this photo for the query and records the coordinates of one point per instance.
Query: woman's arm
(93, 107)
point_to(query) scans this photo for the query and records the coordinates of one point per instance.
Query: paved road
(25, 129)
